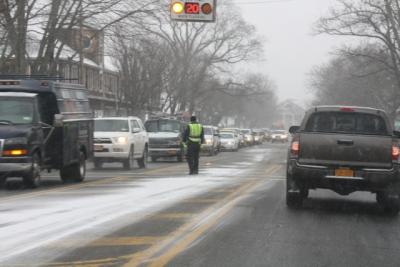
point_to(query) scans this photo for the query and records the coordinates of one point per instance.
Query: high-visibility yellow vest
(195, 132)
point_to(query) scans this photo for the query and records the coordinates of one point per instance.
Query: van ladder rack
(35, 77)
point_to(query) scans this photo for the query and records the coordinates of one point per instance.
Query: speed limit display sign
(193, 10)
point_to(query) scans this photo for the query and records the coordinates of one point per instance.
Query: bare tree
(354, 80)
(199, 50)
(377, 23)
(41, 22)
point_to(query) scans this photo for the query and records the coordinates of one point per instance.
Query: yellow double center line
(162, 253)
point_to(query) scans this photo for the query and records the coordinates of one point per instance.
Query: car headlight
(209, 142)
(121, 140)
(16, 141)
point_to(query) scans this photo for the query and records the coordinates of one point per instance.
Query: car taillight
(346, 109)
(395, 152)
(295, 148)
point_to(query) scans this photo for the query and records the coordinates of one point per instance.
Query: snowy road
(232, 214)
(33, 224)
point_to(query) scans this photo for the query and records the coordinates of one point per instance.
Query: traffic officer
(193, 137)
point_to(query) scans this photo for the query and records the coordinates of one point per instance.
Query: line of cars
(128, 139)
(46, 124)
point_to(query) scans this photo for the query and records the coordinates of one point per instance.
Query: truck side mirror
(294, 129)
(58, 120)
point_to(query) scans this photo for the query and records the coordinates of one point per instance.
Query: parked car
(120, 139)
(345, 149)
(248, 136)
(228, 141)
(44, 125)
(280, 136)
(165, 138)
(212, 143)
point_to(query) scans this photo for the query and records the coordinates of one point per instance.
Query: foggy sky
(291, 50)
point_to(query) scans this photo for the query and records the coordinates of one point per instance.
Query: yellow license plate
(98, 148)
(344, 173)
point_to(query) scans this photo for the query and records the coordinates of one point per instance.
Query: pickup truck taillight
(295, 147)
(395, 152)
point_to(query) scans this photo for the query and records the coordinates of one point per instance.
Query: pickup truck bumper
(164, 152)
(364, 179)
(15, 166)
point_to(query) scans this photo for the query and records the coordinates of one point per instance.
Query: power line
(261, 2)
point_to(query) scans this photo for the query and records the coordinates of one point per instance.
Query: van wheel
(142, 162)
(75, 172)
(33, 178)
(130, 161)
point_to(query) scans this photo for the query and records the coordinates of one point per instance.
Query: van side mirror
(294, 129)
(136, 130)
(58, 120)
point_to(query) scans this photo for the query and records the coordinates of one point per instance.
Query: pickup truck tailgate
(346, 150)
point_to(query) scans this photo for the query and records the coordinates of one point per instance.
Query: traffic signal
(193, 10)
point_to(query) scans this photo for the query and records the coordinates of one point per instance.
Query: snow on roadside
(29, 224)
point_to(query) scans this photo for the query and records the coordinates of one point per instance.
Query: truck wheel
(130, 161)
(142, 162)
(3, 180)
(33, 179)
(75, 172)
(390, 206)
(97, 164)
(293, 199)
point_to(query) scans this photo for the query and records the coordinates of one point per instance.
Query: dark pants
(193, 154)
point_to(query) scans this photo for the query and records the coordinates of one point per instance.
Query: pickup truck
(344, 149)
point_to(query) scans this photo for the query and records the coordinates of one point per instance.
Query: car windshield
(208, 131)
(245, 131)
(226, 136)
(163, 126)
(351, 123)
(111, 126)
(16, 111)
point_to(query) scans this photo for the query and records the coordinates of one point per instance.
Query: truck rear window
(350, 123)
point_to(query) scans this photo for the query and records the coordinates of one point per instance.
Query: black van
(44, 125)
